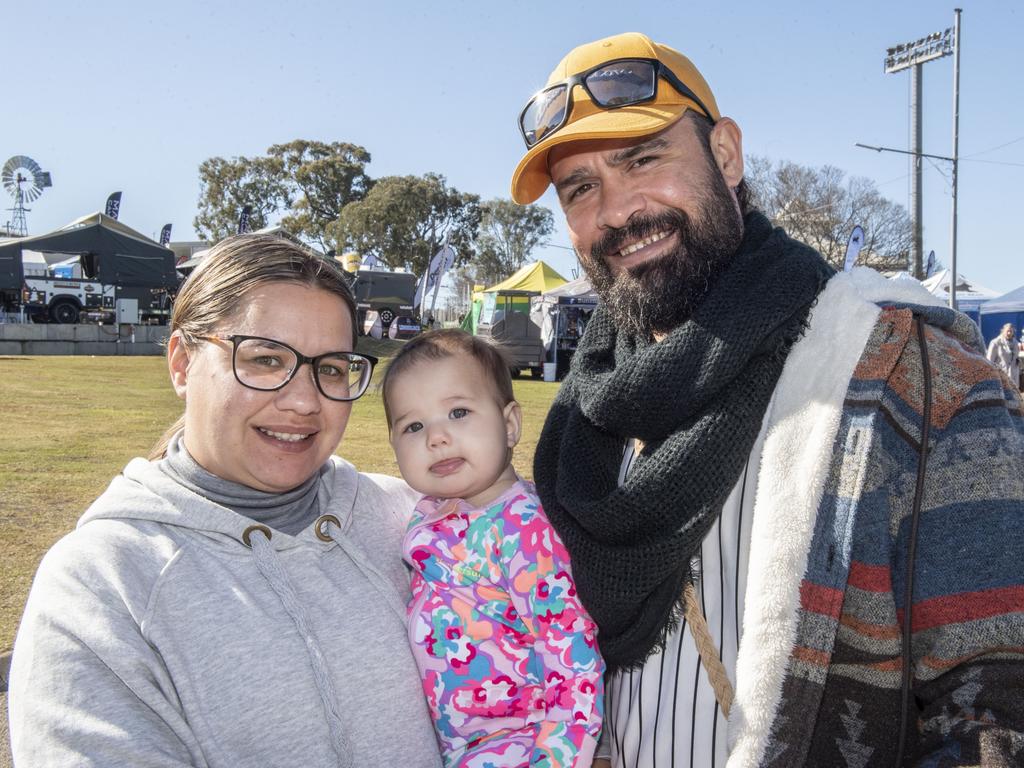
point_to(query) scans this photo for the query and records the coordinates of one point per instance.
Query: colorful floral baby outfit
(506, 650)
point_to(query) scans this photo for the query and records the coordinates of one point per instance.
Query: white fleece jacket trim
(874, 288)
(802, 426)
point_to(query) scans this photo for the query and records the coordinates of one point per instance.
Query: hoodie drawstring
(372, 574)
(270, 567)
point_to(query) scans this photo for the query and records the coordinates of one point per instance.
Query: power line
(993, 149)
(942, 173)
(995, 162)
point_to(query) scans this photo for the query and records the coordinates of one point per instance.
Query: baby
(506, 650)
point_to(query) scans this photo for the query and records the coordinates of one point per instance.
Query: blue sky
(132, 96)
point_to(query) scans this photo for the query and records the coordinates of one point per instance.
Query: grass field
(69, 424)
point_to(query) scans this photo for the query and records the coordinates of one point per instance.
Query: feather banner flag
(853, 248)
(113, 205)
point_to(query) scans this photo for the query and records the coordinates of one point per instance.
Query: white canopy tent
(970, 295)
(562, 314)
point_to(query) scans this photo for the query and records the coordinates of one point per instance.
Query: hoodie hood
(143, 492)
(910, 294)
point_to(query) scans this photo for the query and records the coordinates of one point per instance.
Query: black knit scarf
(696, 399)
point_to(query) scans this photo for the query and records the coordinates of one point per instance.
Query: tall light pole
(898, 58)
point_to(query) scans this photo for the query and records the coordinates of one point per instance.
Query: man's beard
(657, 295)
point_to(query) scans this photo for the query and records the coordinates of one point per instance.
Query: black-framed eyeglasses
(268, 364)
(610, 85)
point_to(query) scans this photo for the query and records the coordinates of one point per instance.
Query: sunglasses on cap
(610, 85)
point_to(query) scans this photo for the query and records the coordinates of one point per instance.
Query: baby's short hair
(450, 342)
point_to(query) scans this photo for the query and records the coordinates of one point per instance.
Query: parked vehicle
(104, 266)
(390, 294)
(505, 318)
(69, 300)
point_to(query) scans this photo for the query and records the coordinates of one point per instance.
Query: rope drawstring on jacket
(709, 658)
(270, 567)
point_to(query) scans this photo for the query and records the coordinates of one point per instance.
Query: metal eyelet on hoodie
(321, 526)
(247, 534)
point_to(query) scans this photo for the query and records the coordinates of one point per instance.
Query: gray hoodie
(153, 636)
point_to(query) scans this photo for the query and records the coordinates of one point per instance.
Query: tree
(508, 234)
(324, 179)
(307, 181)
(226, 186)
(465, 278)
(403, 221)
(821, 207)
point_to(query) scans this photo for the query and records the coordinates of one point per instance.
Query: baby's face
(450, 435)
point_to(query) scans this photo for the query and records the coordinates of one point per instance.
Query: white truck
(48, 298)
(64, 300)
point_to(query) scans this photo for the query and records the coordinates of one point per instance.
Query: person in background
(1004, 353)
(507, 654)
(792, 499)
(239, 598)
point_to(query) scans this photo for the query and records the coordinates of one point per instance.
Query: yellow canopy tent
(532, 279)
(535, 276)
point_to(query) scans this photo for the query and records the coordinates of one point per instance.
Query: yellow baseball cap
(587, 120)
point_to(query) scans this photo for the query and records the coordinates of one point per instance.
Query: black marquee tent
(110, 252)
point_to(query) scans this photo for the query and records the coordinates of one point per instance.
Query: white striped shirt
(665, 713)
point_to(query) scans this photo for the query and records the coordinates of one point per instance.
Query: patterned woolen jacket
(819, 667)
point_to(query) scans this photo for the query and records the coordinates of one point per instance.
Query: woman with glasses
(239, 598)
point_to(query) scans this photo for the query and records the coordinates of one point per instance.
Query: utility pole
(956, 149)
(916, 201)
(915, 55)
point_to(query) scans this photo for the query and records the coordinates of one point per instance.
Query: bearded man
(793, 499)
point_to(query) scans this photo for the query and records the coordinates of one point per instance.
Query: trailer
(107, 272)
(389, 294)
(505, 319)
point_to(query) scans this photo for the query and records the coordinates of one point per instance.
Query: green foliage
(226, 186)
(403, 221)
(325, 178)
(307, 181)
(508, 235)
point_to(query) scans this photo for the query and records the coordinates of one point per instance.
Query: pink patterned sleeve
(536, 567)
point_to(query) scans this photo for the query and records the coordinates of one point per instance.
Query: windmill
(25, 181)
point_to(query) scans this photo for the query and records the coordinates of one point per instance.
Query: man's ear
(513, 422)
(177, 363)
(727, 148)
